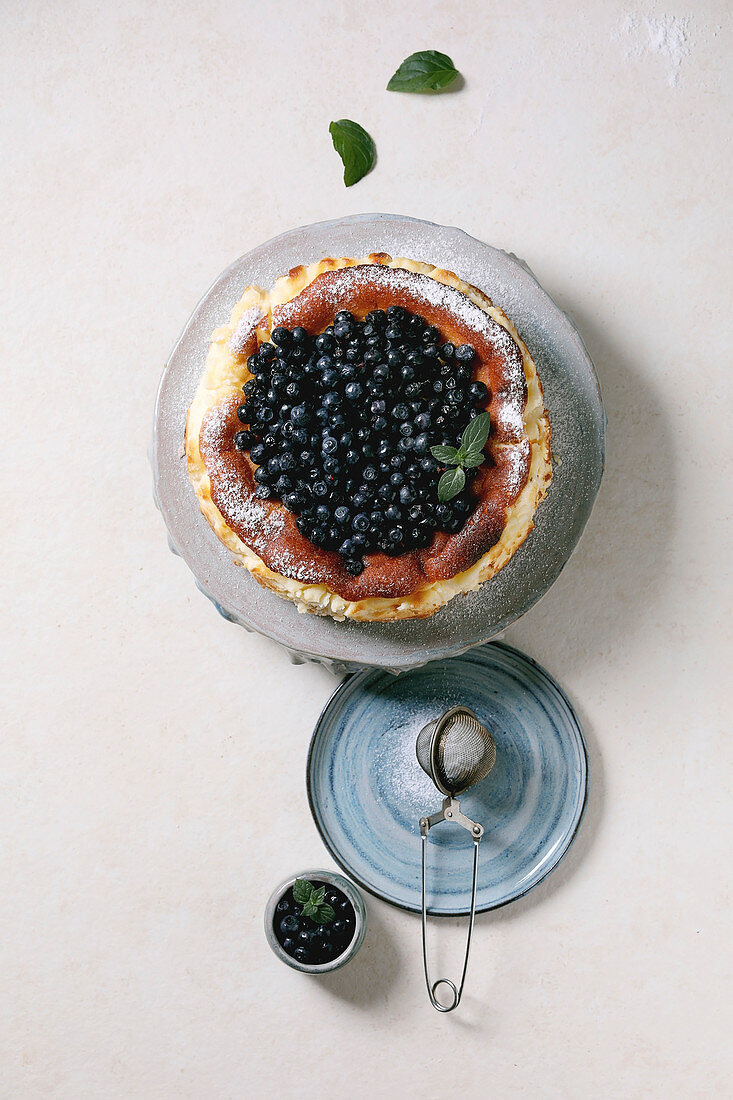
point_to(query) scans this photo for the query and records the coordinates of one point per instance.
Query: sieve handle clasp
(451, 811)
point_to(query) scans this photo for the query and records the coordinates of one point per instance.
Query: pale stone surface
(145, 147)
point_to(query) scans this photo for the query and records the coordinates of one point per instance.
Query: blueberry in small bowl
(315, 921)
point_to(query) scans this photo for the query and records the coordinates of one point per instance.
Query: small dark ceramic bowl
(347, 888)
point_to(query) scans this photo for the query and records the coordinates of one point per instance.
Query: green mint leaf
(475, 436)
(302, 890)
(425, 71)
(325, 914)
(355, 147)
(451, 484)
(474, 456)
(309, 909)
(318, 896)
(445, 455)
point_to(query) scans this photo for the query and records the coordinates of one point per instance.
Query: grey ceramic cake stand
(576, 412)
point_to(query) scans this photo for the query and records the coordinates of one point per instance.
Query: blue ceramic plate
(367, 791)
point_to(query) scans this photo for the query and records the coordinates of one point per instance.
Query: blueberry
(329, 445)
(300, 414)
(360, 521)
(324, 342)
(319, 488)
(290, 925)
(249, 387)
(279, 336)
(243, 440)
(243, 414)
(354, 567)
(288, 945)
(478, 391)
(464, 353)
(283, 906)
(300, 954)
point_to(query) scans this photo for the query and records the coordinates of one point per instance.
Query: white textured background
(144, 147)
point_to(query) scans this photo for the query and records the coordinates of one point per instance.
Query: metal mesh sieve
(464, 752)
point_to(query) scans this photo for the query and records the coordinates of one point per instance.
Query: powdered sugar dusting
(245, 329)
(514, 466)
(283, 561)
(240, 509)
(397, 281)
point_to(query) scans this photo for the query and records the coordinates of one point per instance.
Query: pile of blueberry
(341, 427)
(308, 942)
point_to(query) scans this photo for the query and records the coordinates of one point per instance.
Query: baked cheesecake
(330, 409)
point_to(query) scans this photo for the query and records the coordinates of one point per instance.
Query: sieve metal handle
(451, 812)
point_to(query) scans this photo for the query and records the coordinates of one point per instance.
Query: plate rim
(332, 654)
(485, 908)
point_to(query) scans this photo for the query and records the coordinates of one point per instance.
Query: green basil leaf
(325, 914)
(476, 433)
(425, 71)
(451, 483)
(355, 147)
(445, 455)
(302, 891)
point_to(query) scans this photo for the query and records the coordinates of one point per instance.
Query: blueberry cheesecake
(369, 438)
